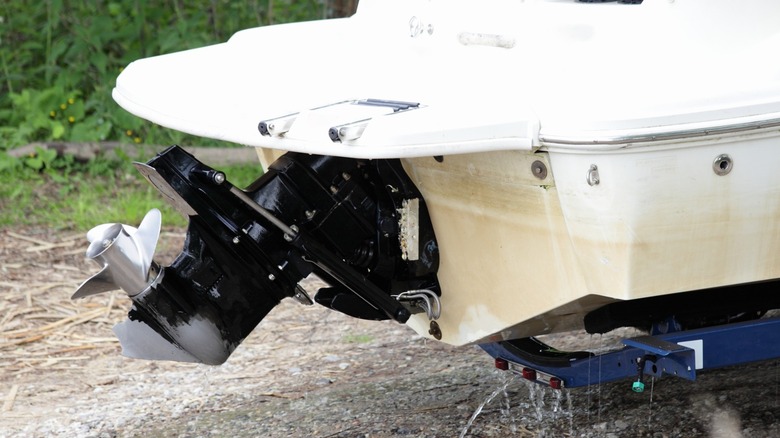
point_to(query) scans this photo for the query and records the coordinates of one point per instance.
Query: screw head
(539, 169)
(435, 330)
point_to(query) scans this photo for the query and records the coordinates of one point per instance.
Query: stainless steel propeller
(125, 255)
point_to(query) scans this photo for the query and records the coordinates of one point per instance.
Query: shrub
(59, 59)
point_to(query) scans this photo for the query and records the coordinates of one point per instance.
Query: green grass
(98, 192)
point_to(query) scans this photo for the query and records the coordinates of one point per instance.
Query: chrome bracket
(424, 299)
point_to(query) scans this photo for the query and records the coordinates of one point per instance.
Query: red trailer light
(529, 374)
(502, 364)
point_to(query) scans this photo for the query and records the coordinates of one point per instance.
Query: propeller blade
(125, 255)
(147, 235)
(98, 231)
(98, 283)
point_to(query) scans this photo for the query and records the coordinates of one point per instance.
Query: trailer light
(529, 374)
(556, 383)
(502, 364)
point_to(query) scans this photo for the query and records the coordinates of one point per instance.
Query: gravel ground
(309, 372)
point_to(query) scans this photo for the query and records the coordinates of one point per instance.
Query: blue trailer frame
(680, 354)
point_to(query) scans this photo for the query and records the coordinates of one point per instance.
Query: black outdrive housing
(246, 250)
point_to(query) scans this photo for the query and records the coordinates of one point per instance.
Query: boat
(485, 173)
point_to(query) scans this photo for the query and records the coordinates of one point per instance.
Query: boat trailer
(677, 353)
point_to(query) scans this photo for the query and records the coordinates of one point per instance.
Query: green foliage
(65, 194)
(59, 59)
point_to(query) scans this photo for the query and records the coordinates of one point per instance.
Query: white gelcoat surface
(574, 70)
(506, 79)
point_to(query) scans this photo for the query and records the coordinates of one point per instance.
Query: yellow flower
(137, 139)
(71, 101)
(129, 132)
(53, 114)
(63, 106)
(71, 119)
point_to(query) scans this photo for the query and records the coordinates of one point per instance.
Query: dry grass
(40, 326)
(61, 369)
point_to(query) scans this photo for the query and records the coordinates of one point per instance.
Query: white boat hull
(570, 155)
(524, 256)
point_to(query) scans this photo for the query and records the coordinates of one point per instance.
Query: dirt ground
(309, 372)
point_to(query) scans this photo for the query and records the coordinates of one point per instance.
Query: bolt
(346, 176)
(271, 277)
(236, 239)
(539, 169)
(294, 229)
(334, 189)
(219, 177)
(310, 214)
(435, 330)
